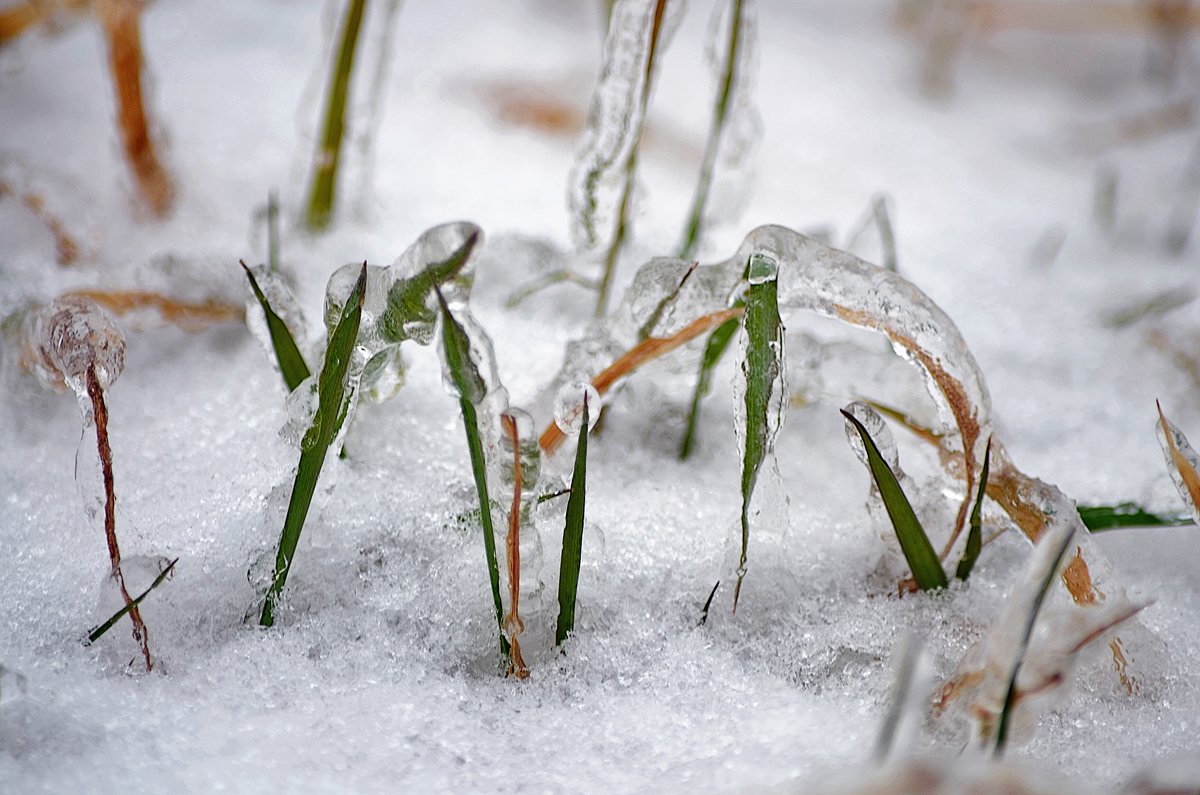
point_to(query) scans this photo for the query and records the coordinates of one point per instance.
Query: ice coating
(1182, 463)
(568, 406)
(615, 121)
(70, 335)
(399, 303)
(282, 301)
(879, 432)
(724, 184)
(975, 694)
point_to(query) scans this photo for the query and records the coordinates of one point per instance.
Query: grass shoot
(330, 413)
(98, 631)
(291, 362)
(914, 543)
(572, 544)
(471, 389)
(975, 531)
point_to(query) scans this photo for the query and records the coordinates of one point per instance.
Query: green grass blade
(572, 545)
(975, 534)
(694, 226)
(708, 604)
(98, 632)
(1126, 514)
(763, 369)
(325, 165)
(331, 390)
(1010, 697)
(922, 560)
(408, 299)
(714, 349)
(471, 389)
(291, 361)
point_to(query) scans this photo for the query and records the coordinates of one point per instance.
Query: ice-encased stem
(603, 180)
(763, 400)
(572, 544)
(513, 625)
(731, 81)
(326, 423)
(323, 183)
(99, 419)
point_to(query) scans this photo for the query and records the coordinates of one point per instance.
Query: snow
(380, 674)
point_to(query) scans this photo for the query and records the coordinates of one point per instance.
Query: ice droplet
(568, 406)
(72, 334)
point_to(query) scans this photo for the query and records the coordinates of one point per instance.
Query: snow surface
(380, 675)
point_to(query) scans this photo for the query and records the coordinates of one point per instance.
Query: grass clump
(330, 414)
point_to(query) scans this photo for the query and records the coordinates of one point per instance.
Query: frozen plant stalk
(605, 173)
(79, 346)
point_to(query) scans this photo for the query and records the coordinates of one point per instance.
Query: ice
(1182, 463)
(569, 403)
(614, 126)
(879, 432)
(72, 335)
(283, 301)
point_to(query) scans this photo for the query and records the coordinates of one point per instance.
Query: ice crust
(380, 675)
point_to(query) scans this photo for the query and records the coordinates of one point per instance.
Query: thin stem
(691, 235)
(323, 186)
(100, 419)
(512, 543)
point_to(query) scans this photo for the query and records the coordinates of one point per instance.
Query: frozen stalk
(80, 346)
(603, 179)
(1183, 465)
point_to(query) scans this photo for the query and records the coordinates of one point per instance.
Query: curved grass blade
(325, 164)
(922, 560)
(331, 390)
(1010, 697)
(98, 631)
(469, 384)
(714, 349)
(763, 372)
(1098, 518)
(572, 545)
(975, 533)
(291, 361)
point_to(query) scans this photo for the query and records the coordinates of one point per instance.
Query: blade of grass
(693, 229)
(714, 349)
(1098, 518)
(292, 366)
(572, 545)
(975, 533)
(763, 369)
(707, 604)
(98, 632)
(331, 390)
(325, 164)
(1010, 697)
(922, 560)
(469, 384)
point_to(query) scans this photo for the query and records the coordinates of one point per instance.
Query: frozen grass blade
(513, 625)
(695, 223)
(331, 391)
(572, 545)
(470, 385)
(975, 533)
(922, 560)
(1182, 463)
(324, 177)
(1098, 518)
(1010, 697)
(763, 371)
(902, 699)
(714, 349)
(291, 361)
(98, 632)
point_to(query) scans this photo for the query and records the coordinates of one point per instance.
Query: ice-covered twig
(513, 625)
